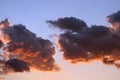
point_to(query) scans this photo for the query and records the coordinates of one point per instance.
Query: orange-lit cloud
(22, 46)
(80, 43)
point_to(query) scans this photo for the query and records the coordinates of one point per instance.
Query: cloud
(115, 17)
(22, 50)
(17, 65)
(69, 23)
(1, 44)
(80, 43)
(22, 45)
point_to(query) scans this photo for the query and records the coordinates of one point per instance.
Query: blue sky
(34, 13)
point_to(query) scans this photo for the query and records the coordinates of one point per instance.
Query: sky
(34, 14)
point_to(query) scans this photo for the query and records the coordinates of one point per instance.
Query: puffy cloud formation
(67, 23)
(80, 43)
(115, 17)
(22, 46)
(22, 50)
(17, 65)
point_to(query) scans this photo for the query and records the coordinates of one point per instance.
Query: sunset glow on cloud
(59, 40)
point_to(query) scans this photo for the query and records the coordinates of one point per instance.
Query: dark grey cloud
(85, 44)
(25, 46)
(17, 65)
(115, 17)
(69, 23)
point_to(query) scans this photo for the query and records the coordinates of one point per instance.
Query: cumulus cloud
(23, 46)
(115, 17)
(69, 23)
(17, 65)
(22, 50)
(80, 43)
